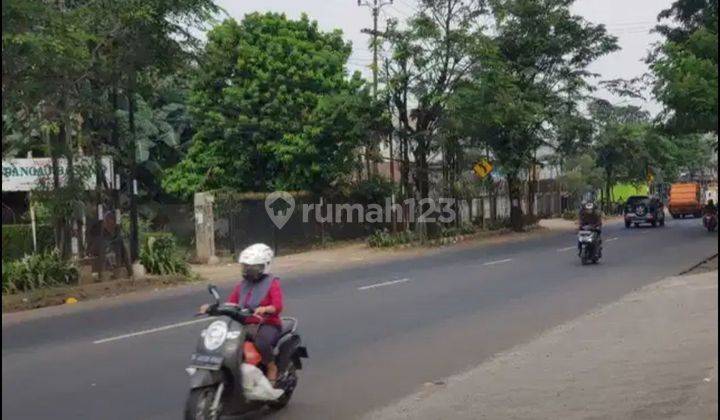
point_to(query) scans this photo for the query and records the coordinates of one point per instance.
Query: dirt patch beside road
(58, 295)
(359, 254)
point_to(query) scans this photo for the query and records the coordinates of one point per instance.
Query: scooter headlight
(215, 335)
(585, 238)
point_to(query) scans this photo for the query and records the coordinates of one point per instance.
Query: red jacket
(274, 298)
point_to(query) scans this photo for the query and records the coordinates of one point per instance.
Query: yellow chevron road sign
(483, 168)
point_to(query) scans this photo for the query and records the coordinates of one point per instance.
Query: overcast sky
(629, 20)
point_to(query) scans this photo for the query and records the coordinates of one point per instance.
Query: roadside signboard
(29, 174)
(483, 168)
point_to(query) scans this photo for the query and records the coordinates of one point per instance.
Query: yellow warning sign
(483, 168)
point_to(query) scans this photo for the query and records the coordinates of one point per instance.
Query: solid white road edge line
(386, 283)
(152, 330)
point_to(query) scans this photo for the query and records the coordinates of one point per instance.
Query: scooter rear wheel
(289, 384)
(198, 404)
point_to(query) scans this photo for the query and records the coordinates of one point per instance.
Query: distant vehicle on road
(685, 200)
(643, 209)
(710, 221)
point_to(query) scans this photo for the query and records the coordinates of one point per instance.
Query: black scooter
(589, 246)
(710, 221)
(215, 375)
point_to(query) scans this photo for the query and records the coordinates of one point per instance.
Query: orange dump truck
(685, 200)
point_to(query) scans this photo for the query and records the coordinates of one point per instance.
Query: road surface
(375, 333)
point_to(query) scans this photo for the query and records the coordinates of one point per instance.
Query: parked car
(685, 200)
(643, 209)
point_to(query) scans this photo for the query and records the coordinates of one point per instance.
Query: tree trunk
(515, 193)
(608, 188)
(100, 239)
(405, 168)
(493, 202)
(532, 189)
(62, 234)
(422, 176)
(134, 238)
(58, 220)
(71, 225)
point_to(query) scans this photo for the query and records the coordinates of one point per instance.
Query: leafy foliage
(375, 189)
(581, 176)
(686, 67)
(527, 93)
(443, 42)
(385, 239)
(37, 271)
(161, 256)
(17, 240)
(274, 108)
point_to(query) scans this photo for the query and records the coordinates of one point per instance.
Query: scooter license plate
(206, 361)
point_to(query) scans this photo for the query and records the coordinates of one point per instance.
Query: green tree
(685, 67)
(274, 108)
(527, 93)
(443, 42)
(581, 175)
(67, 66)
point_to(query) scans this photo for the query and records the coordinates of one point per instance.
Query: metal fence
(242, 219)
(243, 222)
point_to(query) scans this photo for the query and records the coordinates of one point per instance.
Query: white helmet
(257, 254)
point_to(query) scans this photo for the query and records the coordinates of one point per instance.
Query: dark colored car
(643, 209)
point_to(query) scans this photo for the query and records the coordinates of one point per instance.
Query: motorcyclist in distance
(710, 207)
(591, 218)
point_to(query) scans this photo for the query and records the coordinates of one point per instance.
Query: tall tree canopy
(442, 43)
(526, 94)
(686, 67)
(274, 108)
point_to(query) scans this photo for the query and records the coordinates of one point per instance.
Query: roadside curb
(701, 263)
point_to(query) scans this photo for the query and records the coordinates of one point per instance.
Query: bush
(143, 228)
(463, 230)
(498, 224)
(160, 255)
(385, 239)
(373, 190)
(17, 240)
(37, 271)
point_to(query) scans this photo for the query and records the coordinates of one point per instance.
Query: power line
(375, 6)
(409, 6)
(399, 11)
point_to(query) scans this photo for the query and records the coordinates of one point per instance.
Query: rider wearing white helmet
(260, 291)
(255, 261)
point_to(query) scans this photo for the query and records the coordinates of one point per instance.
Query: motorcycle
(710, 221)
(589, 248)
(220, 367)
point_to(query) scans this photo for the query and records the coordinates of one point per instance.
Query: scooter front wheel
(584, 259)
(199, 404)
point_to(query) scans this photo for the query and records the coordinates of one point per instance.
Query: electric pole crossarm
(375, 6)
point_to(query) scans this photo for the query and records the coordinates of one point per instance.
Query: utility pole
(375, 6)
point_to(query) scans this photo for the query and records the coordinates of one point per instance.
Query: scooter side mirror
(214, 292)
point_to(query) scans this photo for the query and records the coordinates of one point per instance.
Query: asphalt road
(375, 334)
